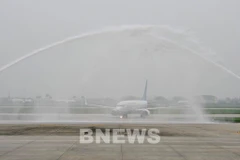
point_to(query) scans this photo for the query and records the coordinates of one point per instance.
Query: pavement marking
(67, 150)
(25, 144)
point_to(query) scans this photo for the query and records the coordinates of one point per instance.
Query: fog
(114, 64)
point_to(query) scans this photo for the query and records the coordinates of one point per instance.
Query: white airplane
(124, 108)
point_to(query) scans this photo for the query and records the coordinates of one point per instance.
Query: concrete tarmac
(178, 142)
(108, 118)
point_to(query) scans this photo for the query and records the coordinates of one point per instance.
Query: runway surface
(178, 142)
(55, 136)
(107, 118)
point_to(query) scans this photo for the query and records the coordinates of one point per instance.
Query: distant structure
(16, 101)
(206, 99)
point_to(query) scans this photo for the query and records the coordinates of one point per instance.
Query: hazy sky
(30, 24)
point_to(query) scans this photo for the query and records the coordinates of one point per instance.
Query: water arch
(135, 30)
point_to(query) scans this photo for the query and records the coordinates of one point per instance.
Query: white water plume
(128, 55)
(136, 30)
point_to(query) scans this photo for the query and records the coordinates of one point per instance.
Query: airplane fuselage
(129, 107)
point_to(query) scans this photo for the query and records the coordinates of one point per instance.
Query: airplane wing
(155, 108)
(95, 105)
(98, 106)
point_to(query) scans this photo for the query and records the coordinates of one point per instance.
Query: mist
(117, 64)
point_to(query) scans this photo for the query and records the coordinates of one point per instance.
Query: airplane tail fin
(145, 91)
